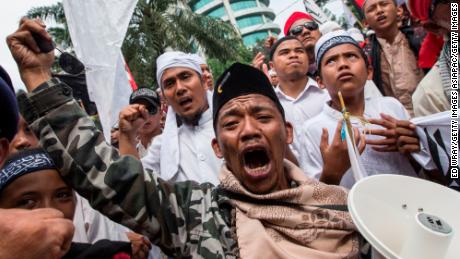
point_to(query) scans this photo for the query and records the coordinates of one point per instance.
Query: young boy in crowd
(393, 52)
(343, 67)
(30, 180)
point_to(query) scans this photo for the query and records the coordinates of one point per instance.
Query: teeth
(258, 170)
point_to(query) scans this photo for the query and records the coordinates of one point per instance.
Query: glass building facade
(252, 18)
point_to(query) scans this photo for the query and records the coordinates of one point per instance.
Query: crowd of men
(251, 165)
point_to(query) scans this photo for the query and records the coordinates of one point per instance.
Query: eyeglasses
(311, 26)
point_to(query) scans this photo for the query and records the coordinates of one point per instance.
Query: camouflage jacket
(187, 220)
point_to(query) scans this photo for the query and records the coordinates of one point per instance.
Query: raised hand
(335, 155)
(269, 41)
(131, 118)
(34, 65)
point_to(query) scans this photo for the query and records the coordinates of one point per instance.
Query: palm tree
(157, 25)
(60, 33)
(160, 24)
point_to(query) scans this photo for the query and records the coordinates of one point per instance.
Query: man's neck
(195, 119)
(311, 55)
(146, 139)
(390, 34)
(283, 182)
(293, 87)
(355, 105)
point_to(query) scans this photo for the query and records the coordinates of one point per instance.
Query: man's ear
(400, 12)
(370, 72)
(203, 81)
(216, 147)
(365, 23)
(271, 64)
(4, 149)
(289, 132)
(320, 82)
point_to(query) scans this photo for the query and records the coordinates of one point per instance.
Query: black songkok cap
(238, 80)
(9, 112)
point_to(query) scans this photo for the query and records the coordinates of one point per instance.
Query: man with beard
(393, 53)
(181, 152)
(263, 200)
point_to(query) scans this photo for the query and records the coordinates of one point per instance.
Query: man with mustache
(182, 152)
(263, 200)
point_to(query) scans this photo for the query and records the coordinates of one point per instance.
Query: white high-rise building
(252, 18)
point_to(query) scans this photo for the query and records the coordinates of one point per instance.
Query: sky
(13, 11)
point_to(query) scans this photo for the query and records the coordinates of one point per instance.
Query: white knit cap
(176, 59)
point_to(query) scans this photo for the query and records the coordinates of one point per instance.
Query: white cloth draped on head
(175, 59)
(169, 150)
(199, 59)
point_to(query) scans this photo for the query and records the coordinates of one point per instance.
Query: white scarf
(169, 150)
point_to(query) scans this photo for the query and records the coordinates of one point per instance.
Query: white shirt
(197, 161)
(308, 104)
(91, 226)
(374, 162)
(141, 150)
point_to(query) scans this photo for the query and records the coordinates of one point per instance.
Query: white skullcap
(175, 59)
(356, 34)
(328, 27)
(330, 40)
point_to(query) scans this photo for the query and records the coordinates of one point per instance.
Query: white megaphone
(406, 217)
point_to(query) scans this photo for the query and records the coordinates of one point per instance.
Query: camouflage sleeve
(116, 185)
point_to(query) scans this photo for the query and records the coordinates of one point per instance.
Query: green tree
(157, 25)
(60, 32)
(218, 66)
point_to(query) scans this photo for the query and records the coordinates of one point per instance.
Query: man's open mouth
(256, 162)
(185, 101)
(381, 18)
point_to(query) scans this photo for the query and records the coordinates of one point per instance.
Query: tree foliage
(55, 13)
(159, 25)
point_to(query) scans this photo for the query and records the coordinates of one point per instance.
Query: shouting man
(263, 200)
